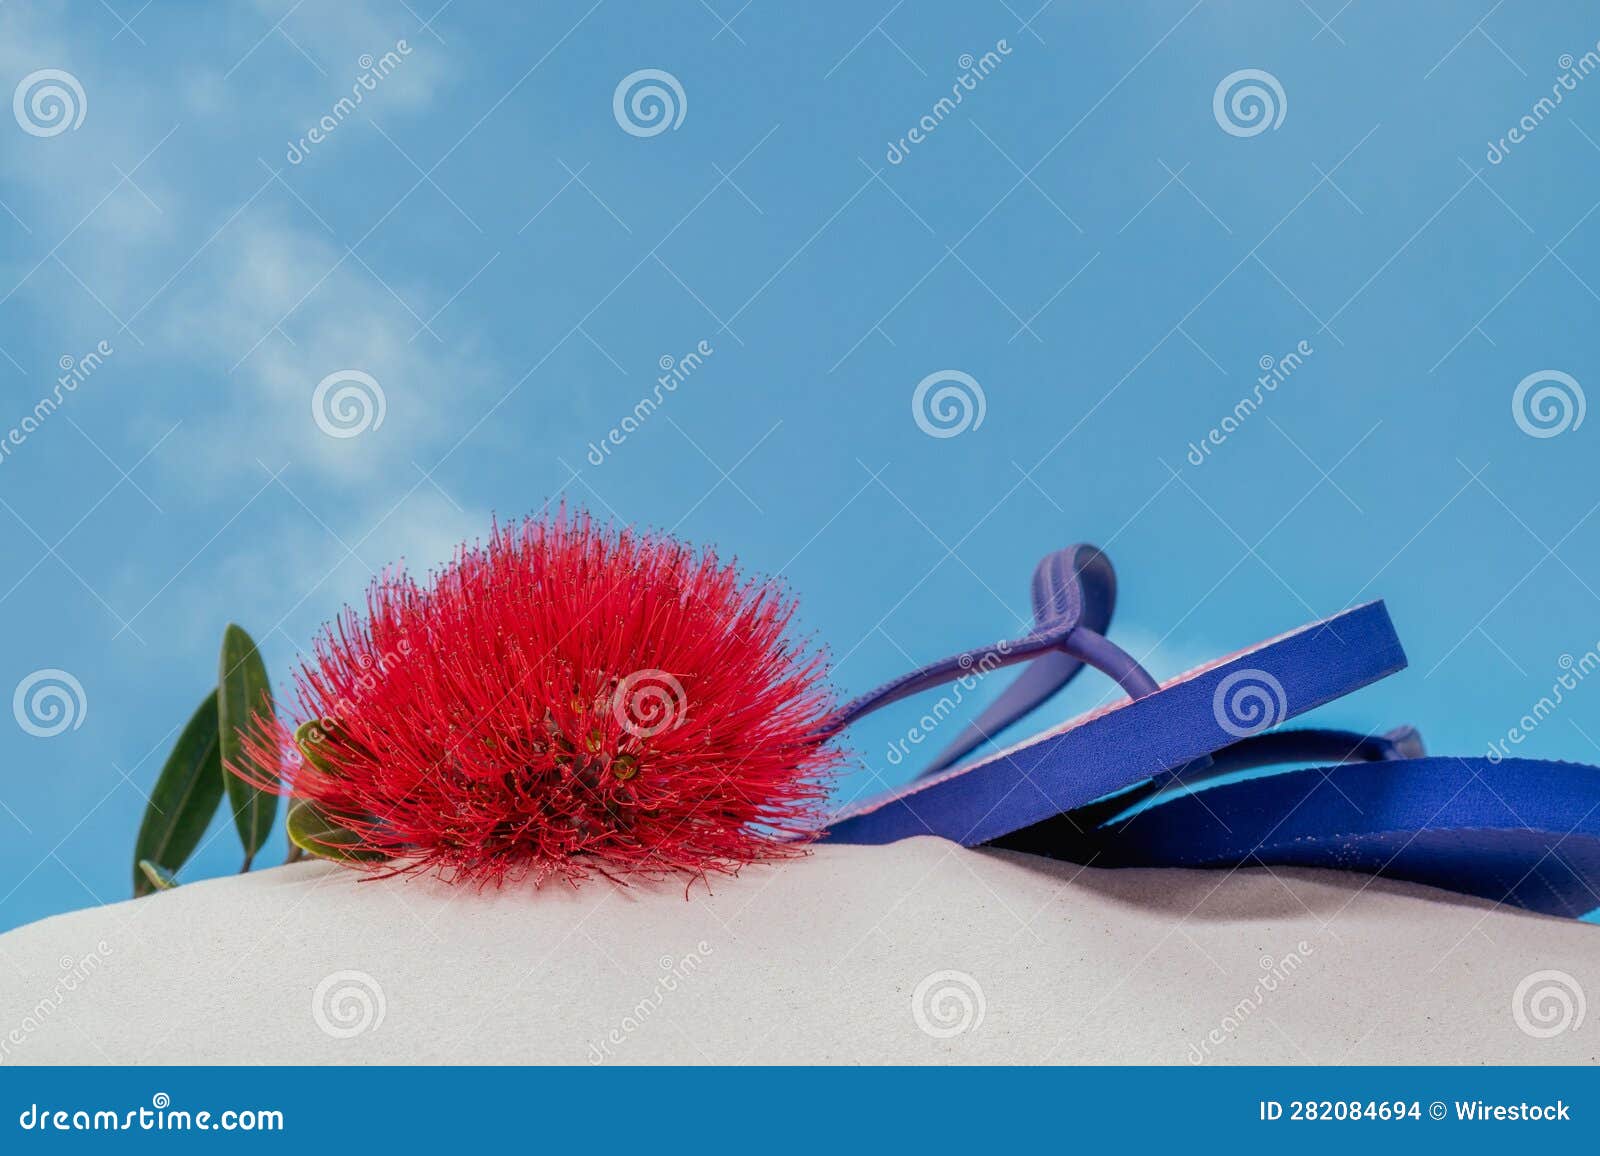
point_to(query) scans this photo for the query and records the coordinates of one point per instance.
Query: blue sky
(1082, 236)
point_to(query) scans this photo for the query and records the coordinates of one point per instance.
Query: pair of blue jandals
(1155, 781)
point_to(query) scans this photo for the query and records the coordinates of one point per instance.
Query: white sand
(817, 960)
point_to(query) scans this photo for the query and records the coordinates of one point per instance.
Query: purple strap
(1074, 594)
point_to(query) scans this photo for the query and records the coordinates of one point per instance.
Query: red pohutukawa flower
(564, 698)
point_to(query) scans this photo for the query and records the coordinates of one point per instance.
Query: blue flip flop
(1178, 775)
(1180, 724)
(1523, 832)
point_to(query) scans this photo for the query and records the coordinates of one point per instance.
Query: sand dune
(921, 952)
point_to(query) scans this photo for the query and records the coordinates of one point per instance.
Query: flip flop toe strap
(1074, 594)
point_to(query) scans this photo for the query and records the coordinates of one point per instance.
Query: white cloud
(279, 313)
(254, 317)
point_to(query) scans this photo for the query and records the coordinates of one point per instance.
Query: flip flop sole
(1120, 745)
(1524, 832)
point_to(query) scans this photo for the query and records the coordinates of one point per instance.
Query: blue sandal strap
(1073, 834)
(1316, 745)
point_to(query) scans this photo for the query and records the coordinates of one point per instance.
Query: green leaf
(315, 833)
(156, 878)
(243, 693)
(319, 738)
(183, 801)
(312, 739)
